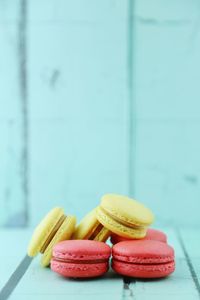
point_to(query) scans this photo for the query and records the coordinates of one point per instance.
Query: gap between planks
(127, 289)
(22, 52)
(129, 284)
(130, 288)
(188, 260)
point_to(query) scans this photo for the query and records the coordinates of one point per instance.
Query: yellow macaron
(124, 216)
(55, 227)
(90, 229)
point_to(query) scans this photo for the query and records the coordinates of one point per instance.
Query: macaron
(91, 229)
(80, 258)
(55, 227)
(124, 216)
(152, 234)
(143, 259)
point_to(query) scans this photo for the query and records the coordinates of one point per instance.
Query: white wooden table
(38, 283)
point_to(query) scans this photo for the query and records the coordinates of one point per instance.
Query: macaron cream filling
(95, 261)
(148, 267)
(52, 233)
(120, 221)
(99, 231)
(144, 260)
(95, 232)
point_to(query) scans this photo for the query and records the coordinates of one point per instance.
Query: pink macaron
(143, 259)
(80, 258)
(152, 234)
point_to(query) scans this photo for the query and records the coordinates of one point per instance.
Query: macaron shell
(143, 271)
(143, 252)
(79, 270)
(127, 209)
(43, 230)
(81, 250)
(152, 234)
(80, 258)
(64, 233)
(86, 226)
(118, 228)
(156, 235)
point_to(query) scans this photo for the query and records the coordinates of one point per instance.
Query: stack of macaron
(81, 251)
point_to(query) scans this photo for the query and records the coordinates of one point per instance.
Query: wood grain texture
(50, 284)
(190, 241)
(41, 283)
(78, 103)
(10, 259)
(166, 68)
(180, 285)
(97, 97)
(12, 196)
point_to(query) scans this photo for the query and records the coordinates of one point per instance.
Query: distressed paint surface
(180, 285)
(12, 197)
(41, 283)
(166, 92)
(78, 103)
(107, 101)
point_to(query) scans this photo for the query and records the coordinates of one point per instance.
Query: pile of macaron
(82, 252)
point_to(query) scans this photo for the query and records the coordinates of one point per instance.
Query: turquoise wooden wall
(96, 97)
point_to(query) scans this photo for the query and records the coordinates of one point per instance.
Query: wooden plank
(176, 286)
(78, 100)
(63, 297)
(42, 283)
(87, 11)
(179, 285)
(191, 242)
(172, 177)
(39, 282)
(166, 92)
(10, 259)
(12, 161)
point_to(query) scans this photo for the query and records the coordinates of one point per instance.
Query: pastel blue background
(96, 97)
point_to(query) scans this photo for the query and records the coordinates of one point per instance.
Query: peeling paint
(22, 53)
(54, 78)
(16, 220)
(165, 22)
(131, 99)
(127, 290)
(192, 179)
